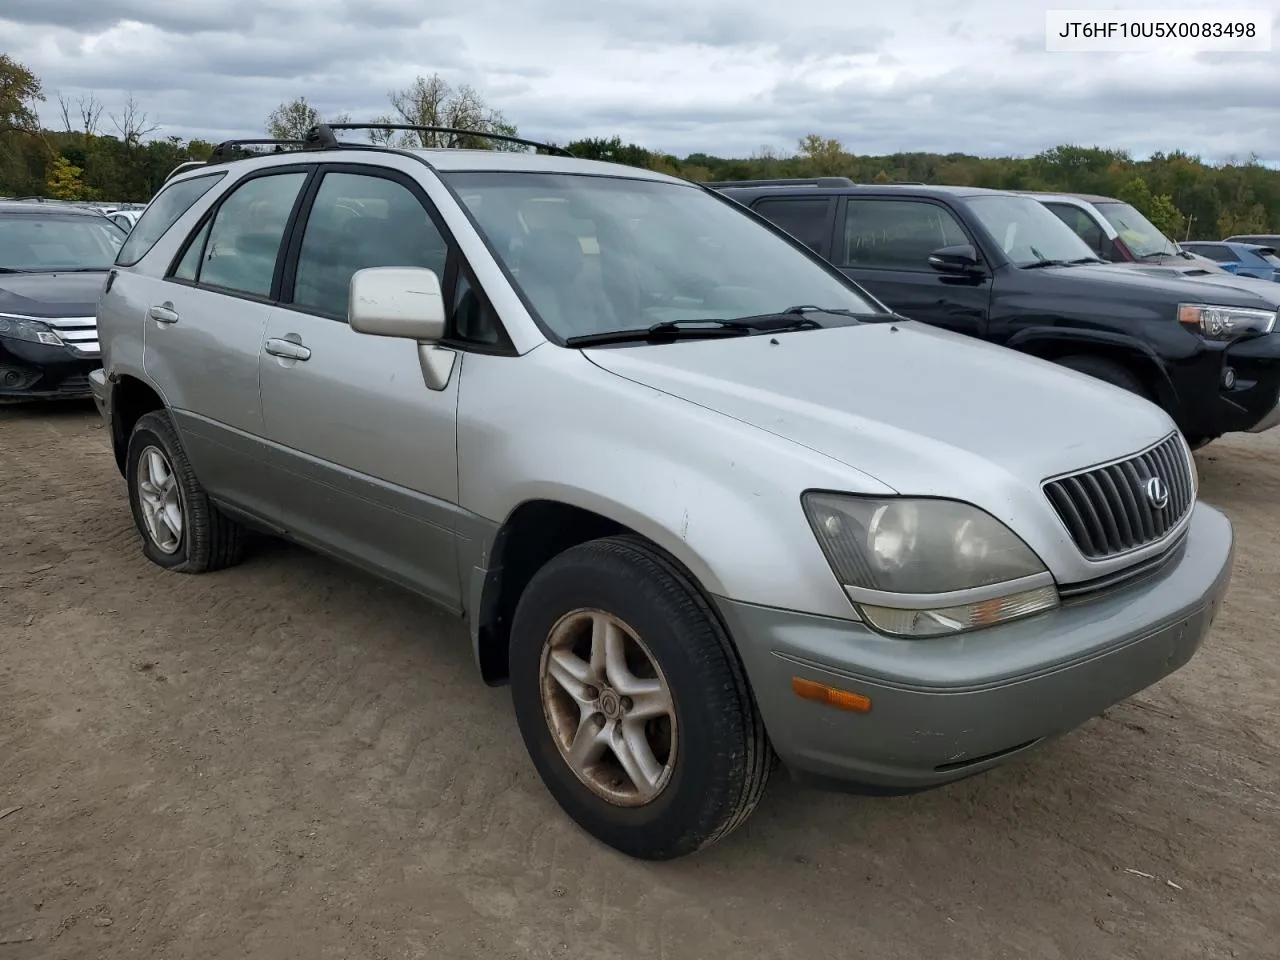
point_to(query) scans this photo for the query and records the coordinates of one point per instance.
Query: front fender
(722, 497)
(1033, 340)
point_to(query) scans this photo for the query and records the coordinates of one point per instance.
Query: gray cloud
(679, 75)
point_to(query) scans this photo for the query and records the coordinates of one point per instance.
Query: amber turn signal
(832, 697)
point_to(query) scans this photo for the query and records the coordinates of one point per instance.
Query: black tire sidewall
(688, 808)
(150, 431)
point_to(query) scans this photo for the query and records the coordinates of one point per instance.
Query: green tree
(1160, 210)
(823, 157)
(20, 91)
(64, 180)
(292, 120)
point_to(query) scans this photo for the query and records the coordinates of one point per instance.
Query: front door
(365, 452)
(886, 247)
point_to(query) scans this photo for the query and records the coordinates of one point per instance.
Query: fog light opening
(1228, 378)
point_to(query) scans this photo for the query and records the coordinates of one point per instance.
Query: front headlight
(927, 568)
(24, 328)
(1225, 323)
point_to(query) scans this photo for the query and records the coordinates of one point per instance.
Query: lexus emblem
(1157, 493)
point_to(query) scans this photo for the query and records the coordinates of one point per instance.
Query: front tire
(181, 528)
(632, 702)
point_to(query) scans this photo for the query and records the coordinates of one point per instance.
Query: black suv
(1002, 267)
(54, 260)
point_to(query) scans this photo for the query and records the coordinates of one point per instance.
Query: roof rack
(321, 136)
(786, 182)
(226, 150)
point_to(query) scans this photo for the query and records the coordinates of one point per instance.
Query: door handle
(287, 349)
(163, 313)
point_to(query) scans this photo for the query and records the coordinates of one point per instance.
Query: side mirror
(403, 302)
(961, 258)
(1230, 266)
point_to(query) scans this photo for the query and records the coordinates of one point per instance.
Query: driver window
(357, 221)
(897, 234)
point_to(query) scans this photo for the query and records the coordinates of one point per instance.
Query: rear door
(204, 328)
(885, 245)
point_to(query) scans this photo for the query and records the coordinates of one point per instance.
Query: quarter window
(244, 240)
(808, 219)
(360, 221)
(897, 234)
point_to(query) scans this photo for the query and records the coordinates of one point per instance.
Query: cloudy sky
(678, 75)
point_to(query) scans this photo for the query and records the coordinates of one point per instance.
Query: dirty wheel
(632, 703)
(181, 529)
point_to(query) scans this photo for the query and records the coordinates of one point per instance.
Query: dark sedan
(54, 260)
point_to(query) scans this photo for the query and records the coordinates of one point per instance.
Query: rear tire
(181, 528)
(632, 703)
(1107, 371)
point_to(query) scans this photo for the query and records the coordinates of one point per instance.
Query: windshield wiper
(78, 270)
(1086, 260)
(705, 328)
(11, 270)
(668, 330)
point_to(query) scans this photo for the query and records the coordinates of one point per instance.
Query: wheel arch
(534, 532)
(1055, 344)
(131, 398)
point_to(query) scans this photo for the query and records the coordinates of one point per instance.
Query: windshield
(44, 244)
(1139, 234)
(1027, 231)
(598, 254)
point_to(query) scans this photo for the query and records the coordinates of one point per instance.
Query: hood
(1174, 282)
(1191, 271)
(909, 404)
(51, 295)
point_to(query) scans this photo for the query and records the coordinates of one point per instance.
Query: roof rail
(322, 137)
(786, 182)
(226, 150)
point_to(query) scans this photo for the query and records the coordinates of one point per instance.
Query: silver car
(704, 503)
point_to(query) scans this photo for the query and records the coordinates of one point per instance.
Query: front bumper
(36, 371)
(944, 709)
(1251, 404)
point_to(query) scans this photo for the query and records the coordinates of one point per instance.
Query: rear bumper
(944, 709)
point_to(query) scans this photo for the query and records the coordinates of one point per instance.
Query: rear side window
(1215, 251)
(807, 219)
(162, 213)
(243, 243)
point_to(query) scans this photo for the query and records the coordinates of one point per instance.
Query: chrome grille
(79, 333)
(1108, 509)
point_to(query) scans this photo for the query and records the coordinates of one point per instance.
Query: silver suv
(703, 501)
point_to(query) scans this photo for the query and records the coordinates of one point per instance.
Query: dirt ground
(289, 760)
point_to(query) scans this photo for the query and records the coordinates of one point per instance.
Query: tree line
(123, 156)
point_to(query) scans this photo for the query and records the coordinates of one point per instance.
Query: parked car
(691, 519)
(53, 263)
(125, 219)
(1119, 233)
(1261, 239)
(1001, 267)
(1241, 259)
